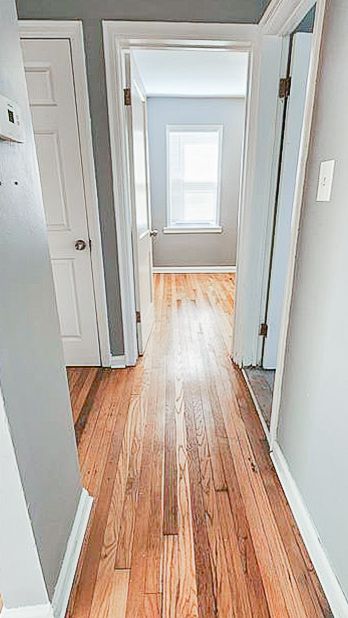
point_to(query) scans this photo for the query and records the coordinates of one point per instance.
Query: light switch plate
(326, 173)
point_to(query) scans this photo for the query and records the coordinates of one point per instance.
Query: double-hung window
(193, 177)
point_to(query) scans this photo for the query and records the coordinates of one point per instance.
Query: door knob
(153, 233)
(80, 245)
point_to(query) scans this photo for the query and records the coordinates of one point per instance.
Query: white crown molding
(188, 32)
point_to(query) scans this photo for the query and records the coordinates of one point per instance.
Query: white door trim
(269, 219)
(72, 30)
(299, 58)
(119, 37)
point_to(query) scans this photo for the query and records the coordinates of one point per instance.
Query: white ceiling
(192, 73)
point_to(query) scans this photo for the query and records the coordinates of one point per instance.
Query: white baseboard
(194, 269)
(334, 593)
(67, 572)
(74, 546)
(118, 362)
(32, 611)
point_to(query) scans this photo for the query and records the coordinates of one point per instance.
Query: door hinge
(137, 317)
(90, 244)
(263, 330)
(284, 87)
(127, 97)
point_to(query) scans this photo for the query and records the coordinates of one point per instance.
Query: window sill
(217, 229)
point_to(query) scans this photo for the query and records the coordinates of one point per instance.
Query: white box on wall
(10, 121)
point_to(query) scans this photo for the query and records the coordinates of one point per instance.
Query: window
(193, 168)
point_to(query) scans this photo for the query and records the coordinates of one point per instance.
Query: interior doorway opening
(54, 63)
(185, 127)
(292, 100)
(120, 39)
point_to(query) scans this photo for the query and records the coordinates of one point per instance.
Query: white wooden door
(50, 81)
(300, 57)
(142, 239)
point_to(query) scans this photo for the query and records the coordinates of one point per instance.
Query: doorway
(180, 203)
(185, 132)
(292, 99)
(53, 58)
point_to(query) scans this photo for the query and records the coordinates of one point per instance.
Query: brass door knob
(80, 245)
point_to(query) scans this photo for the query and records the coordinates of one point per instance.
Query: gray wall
(32, 374)
(243, 11)
(307, 24)
(196, 249)
(313, 431)
(92, 12)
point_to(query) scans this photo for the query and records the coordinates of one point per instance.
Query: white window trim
(194, 229)
(185, 228)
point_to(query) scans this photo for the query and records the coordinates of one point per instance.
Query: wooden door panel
(52, 180)
(64, 276)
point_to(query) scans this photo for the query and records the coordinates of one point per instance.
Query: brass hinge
(263, 330)
(284, 87)
(127, 97)
(137, 317)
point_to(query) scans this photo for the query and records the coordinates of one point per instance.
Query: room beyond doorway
(185, 132)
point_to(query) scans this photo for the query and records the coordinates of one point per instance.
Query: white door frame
(72, 30)
(283, 50)
(279, 20)
(119, 38)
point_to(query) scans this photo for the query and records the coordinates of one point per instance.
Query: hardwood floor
(189, 518)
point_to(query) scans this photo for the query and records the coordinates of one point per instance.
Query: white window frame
(198, 227)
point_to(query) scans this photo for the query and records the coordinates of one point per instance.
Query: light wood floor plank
(119, 592)
(180, 598)
(223, 593)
